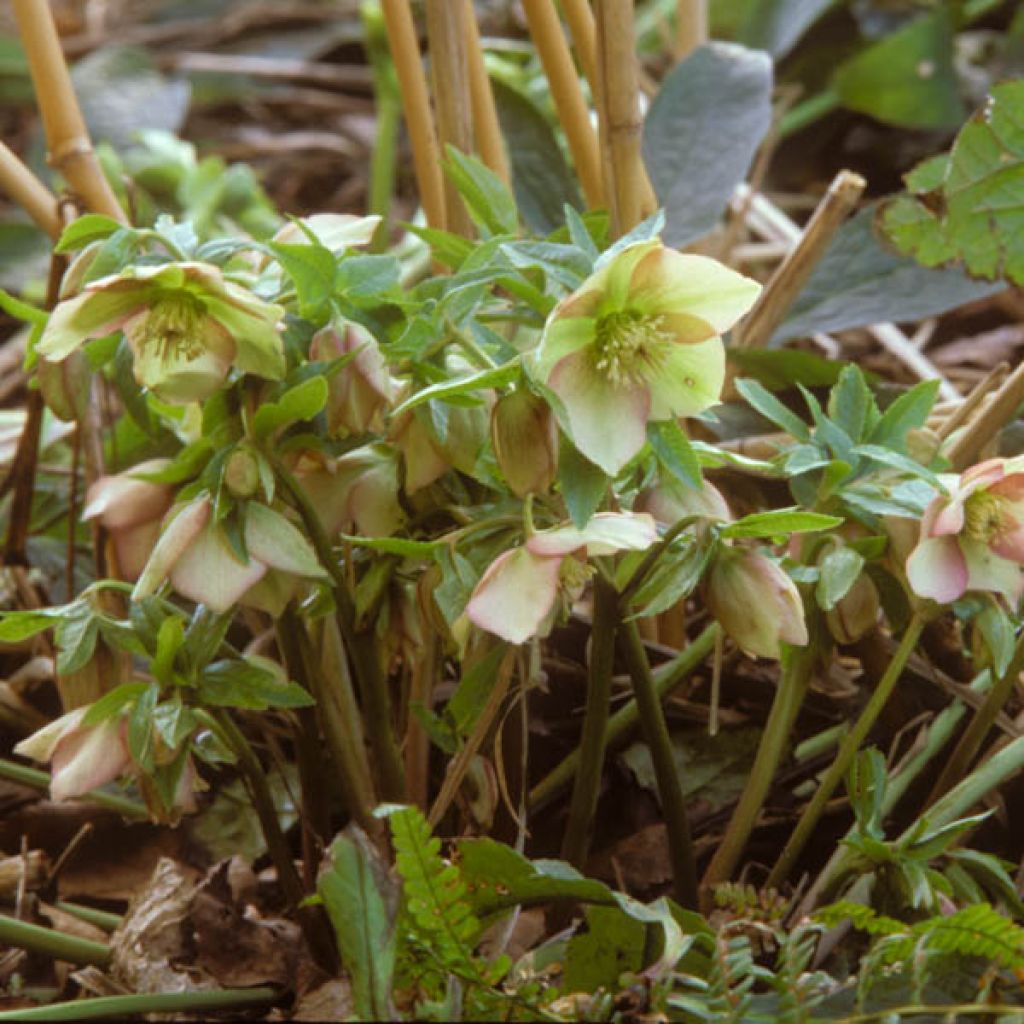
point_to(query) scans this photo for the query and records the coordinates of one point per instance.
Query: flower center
(984, 516)
(630, 347)
(172, 327)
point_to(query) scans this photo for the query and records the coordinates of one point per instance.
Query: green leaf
(672, 447)
(366, 275)
(112, 702)
(859, 282)
(780, 522)
(764, 402)
(140, 726)
(701, 134)
(975, 214)
(312, 268)
(302, 402)
(169, 639)
(583, 484)
(400, 546)
(474, 690)
(997, 632)
(18, 626)
(488, 201)
(244, 684)
(541, 178)
(446, 390)
(838, 571)
(780, 368)
(777, 25)
(76, 635)
(362, 903)
(612, 945)
(90, 227)
(851, 405)
(908, 412)
(906, 78)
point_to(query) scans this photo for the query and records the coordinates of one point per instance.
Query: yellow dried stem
(449, 77)
(691, 26)
(28, 192)
(618, 104)
(419, 120)
(984, 428)
(489, 141)
(553, 50)
(580, 19)
(70, 149)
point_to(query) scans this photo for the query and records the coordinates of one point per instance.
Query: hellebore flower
(186, 326)
(855, 613)
(362, 390)
(755, 602)
(519, 588)
(974, 538)
(673, 500)
(525, 439)
(81, 757)
(130, 509)
(639, 341)
(197, 557)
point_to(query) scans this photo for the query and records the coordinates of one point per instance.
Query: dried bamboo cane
(405, 52)
(553, 50)
(28, 192)
(982, 429)
(70, 150)
(580, 18)
(489, 141)
(618, 101)
(449, 78)
(691, 26)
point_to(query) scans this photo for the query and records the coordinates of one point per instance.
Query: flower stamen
(172, 326)
(630, 347)
(984, 516)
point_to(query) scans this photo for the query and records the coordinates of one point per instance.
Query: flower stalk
(847, 751)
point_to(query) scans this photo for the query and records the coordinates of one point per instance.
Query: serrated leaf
(90, 227)
(313, 270)
(761, 399)
(244, 684)
(583, 484)
(302, 402)
(488, 201)
(672, 447)
(908, 412)
(780, 522)
(838, 571)
(446, 390)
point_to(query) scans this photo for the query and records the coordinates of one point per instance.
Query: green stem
(974, 735)
(389, 110)
(40, 780)
(847, 751)
(576, 841)
(670, 789)
(803, 115)
(373, 685)
(798, 662)
(666, 678)
(653, 557)
(38, 939)
(111, 1007)
(100, 918)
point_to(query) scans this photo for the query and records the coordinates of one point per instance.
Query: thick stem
(666, 678)
(26, 776)
(70, 150)
(847, 751)
(670, 789)
(486, 127)
(691, 27)
(137, 1006)
(384, 160)
(576, 840)
(48, 942)
(796, 674)
(28, 192)
(419, 120)
(373, 685)
(974, 735)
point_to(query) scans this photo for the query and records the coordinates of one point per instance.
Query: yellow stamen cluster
(172, 326)
(984, 516)
(629, 346)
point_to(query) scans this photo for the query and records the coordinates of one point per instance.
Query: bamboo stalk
(619, 114)
(796, 268)
(449, 79)
(486, 128)
(999, 412)
(691, 27)
(419, 120)
(553, 50)
(70, 149)
(963, 412)
(28, 192)
(580, 18)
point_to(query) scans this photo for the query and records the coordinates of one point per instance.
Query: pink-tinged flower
(639, 341)
(673, 500)
(195, 554)
(519, 588)
(362, 391)
(334, 231)
(185, 323)
(973, 539)
(525, 439)
(856, 612)
(423, 462)
(755, 602)
(82, 757)
(130, 509)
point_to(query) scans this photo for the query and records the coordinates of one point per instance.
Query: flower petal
(42, 743)
(604, 534)
(937, 569)
(689, 380)
(988, 571)
(88, 758)
(515, 595)
(666, 281)
(270, 538)
(209, 572)
(252, 324)
(123, 499)
(562, 336)
(180, 532)
(607, 422)
(93, 314)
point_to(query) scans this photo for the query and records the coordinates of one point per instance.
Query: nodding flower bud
(525, 439)
(362, 391)
(755, 602)
(673, 500)
(242, 473)
(856, 612)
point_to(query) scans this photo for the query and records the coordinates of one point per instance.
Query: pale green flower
(186, 325)
(639, 341)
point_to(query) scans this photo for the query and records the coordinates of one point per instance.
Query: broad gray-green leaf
(701, 134)
(859, 282)
(970, 207)
(777, 25)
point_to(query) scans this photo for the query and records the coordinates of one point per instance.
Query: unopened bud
(856, 613)
(242, 473)
(525, 438)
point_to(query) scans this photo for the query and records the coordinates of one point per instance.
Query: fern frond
(978, 930)
(861, 917)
